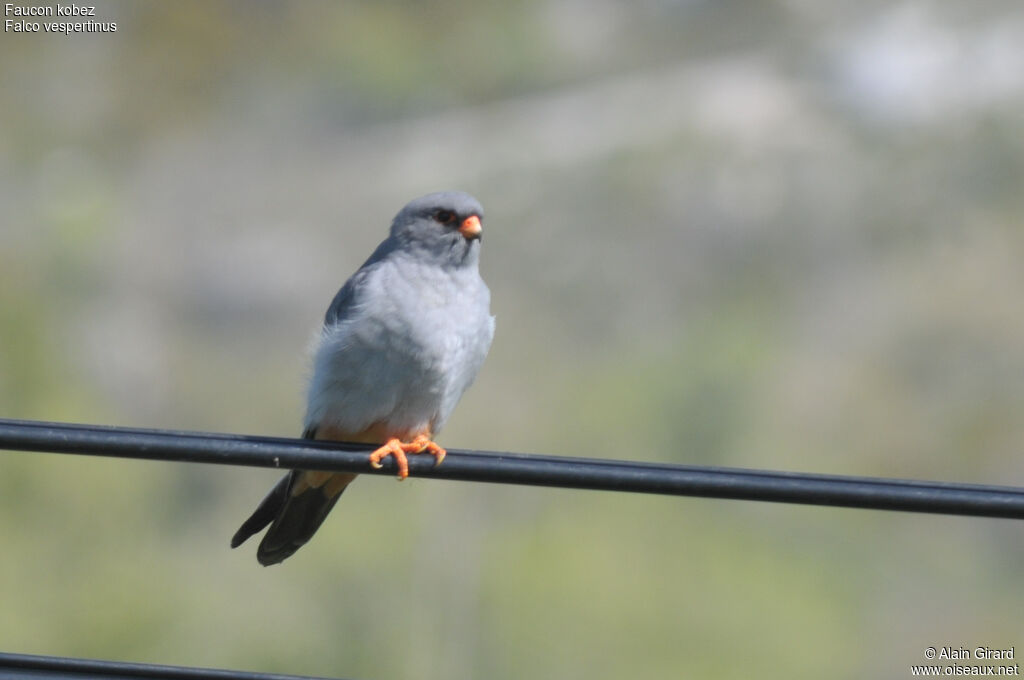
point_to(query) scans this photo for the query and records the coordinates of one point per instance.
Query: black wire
(516, 468)
(30, 666)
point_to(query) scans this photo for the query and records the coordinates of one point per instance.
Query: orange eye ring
(445, 216)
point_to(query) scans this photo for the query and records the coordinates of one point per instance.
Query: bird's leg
(395, 447)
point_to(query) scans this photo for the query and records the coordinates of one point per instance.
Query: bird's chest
(426, 325)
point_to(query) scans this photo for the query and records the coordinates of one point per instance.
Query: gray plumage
(402, 340)
(406, 335)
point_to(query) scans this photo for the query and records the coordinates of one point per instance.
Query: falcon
(401, 342)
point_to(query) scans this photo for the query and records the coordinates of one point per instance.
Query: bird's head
(443, 227)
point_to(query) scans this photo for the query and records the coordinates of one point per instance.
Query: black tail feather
(293, 519)
(268, 509)
(298, 520)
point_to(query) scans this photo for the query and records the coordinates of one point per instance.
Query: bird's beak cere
(470, 228)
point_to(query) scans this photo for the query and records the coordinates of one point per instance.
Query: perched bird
(401, 342)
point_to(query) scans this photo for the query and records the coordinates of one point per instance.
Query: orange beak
(470, 228)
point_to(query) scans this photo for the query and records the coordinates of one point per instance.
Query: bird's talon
(396, 448)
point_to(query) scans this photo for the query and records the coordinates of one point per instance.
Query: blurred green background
(782, 235)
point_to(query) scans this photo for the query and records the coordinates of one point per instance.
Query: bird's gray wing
(348, 296)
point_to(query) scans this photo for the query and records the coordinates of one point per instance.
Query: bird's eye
(445, 216)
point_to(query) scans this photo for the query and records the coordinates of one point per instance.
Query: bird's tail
(268, 509)
(295, 508)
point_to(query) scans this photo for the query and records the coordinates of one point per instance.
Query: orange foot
(398, 449)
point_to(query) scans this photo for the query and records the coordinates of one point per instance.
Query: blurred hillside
(785, 235)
